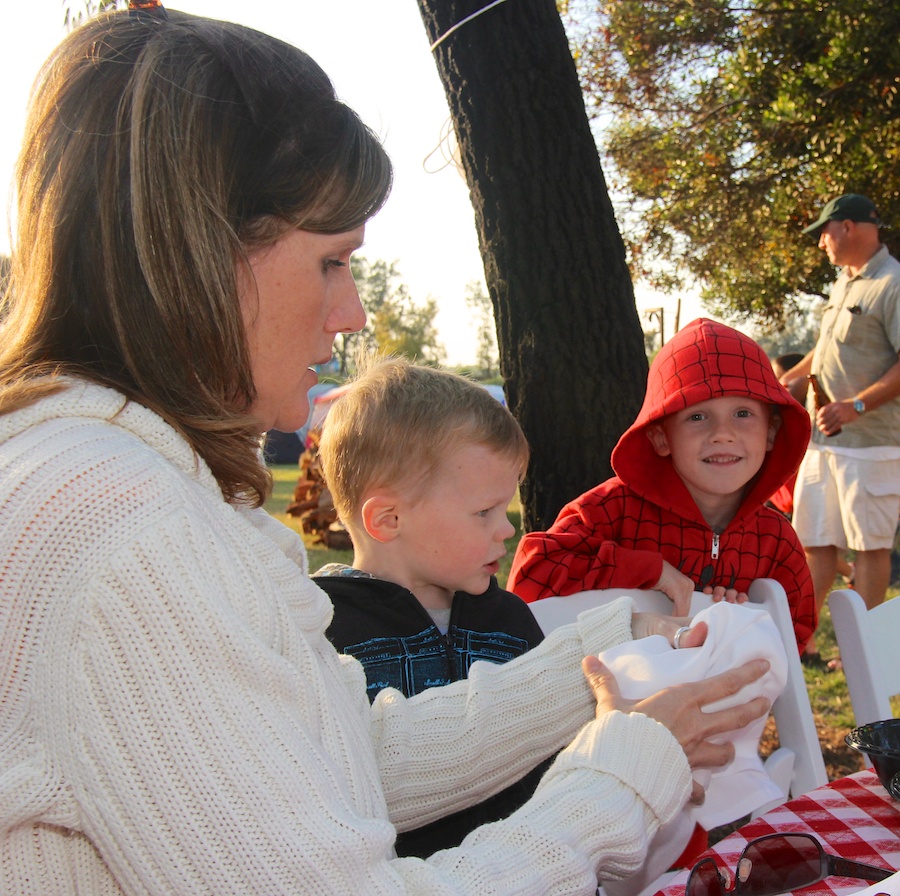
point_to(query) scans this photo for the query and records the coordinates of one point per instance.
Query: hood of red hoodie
(705, 360)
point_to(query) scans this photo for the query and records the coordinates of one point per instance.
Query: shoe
(835, 665)
(813, 660)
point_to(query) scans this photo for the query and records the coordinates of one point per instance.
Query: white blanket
(737, 634)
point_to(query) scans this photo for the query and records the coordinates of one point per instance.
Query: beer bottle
(820, 397)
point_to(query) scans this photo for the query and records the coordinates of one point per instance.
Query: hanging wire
(447, 149)
(459, 24)
(447, 146)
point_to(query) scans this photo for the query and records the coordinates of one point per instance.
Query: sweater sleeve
(598, 806)
(579, 552)
(203, 762)
(484, 732)
(593, 815)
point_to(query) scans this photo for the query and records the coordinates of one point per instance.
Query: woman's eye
(331, 263)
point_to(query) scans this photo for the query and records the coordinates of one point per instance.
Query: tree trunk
(571, 346)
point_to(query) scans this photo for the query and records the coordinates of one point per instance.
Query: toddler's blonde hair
(399, 422)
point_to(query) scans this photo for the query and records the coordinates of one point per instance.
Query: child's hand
(678, 587)
(729, 595)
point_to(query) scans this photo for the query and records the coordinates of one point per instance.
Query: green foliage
(396, 324)
(401, 327)
(729, 123)
(480, 303)
(797, 333)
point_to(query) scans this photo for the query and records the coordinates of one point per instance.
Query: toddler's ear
(658, 440)
(380, 517)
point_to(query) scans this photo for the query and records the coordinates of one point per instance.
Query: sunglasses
(774, 864)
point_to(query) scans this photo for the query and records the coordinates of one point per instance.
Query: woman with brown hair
(173, 719)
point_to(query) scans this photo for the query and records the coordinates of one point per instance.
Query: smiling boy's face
(717, 447)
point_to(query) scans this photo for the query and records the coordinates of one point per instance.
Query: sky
(377, 55)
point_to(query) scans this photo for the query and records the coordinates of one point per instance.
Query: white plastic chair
(797, 766)
(867, 640)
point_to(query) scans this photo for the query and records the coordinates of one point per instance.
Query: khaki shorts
(846, 502)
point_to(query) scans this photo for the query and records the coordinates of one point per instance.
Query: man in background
(848, 486)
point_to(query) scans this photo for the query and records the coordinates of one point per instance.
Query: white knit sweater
(174, 721)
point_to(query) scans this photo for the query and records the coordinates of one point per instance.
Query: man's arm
(794, 380)
(837, 413)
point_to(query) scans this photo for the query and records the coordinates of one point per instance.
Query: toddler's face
(717, 446)
(454, 534)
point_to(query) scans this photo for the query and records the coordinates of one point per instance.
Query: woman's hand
(680, 709)
(645, 624)
(678, 587)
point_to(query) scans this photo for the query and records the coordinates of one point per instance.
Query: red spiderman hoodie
(617, 534)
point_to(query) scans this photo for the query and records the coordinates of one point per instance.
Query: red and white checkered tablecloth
(853, 817)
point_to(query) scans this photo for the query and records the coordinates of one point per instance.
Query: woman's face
(297, 296)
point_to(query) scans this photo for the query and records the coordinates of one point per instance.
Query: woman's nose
(351, 316)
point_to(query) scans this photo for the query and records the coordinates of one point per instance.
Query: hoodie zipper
(715, 547)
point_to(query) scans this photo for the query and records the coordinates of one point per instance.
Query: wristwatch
(859, 406)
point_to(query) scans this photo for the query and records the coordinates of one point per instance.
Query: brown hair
(157, 154)
(397, 424)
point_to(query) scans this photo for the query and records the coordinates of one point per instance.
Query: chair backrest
(868, 642)
(797, 766)
(793, 715)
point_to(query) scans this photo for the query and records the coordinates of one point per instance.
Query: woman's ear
(658, 440)
(380, 517)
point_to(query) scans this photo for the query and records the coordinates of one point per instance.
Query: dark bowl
(880, 741)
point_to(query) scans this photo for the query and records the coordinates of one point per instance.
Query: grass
(827, 689)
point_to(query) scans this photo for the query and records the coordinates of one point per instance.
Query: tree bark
(571, 347)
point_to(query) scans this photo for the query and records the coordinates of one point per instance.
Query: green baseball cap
(849, 207)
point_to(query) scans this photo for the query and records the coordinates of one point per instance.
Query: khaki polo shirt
(858, 343)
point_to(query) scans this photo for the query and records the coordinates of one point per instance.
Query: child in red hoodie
(716, 436)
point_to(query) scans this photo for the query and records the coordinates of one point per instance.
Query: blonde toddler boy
(422, 465)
